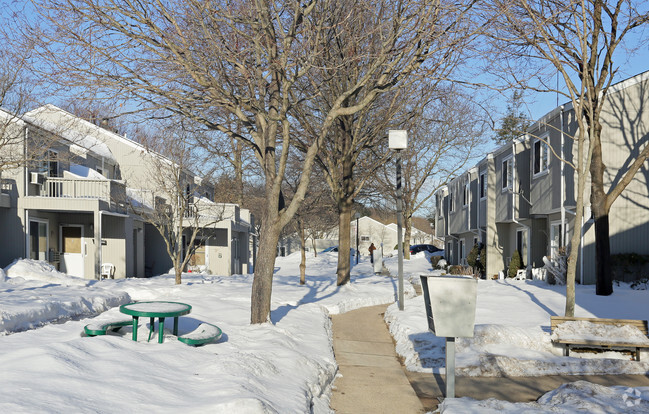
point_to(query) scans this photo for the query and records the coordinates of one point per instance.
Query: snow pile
(588, 331)
(284, 367)
(579, 396)
(82, 171)
(28, 269)
(512, 332)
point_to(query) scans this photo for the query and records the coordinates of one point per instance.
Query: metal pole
(450, 367)
(399, 226)
(357, 238)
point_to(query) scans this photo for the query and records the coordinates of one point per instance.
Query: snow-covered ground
(284, 367)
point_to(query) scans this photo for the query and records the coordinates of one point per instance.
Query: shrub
(483, 259)
(460, 270)
(434, 261)
(475, 258)
(515, 264)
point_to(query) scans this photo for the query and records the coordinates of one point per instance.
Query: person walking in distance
(371, 249)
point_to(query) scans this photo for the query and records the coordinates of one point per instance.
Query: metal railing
(106, 190)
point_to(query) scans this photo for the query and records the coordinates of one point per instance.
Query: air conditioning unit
(37, 178)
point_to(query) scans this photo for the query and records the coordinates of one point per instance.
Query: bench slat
(640, 324)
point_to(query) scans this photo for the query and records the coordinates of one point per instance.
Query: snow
(578, 396)
(82, 171)
(157, 307)
(286, 366)
(588, 331)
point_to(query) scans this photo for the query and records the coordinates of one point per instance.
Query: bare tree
(356, 144)
(441, 143)
(172, 200)
(315, 215)
(214, 61)
(15, 95)
(578, 40)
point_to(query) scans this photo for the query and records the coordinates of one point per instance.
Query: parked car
(335, 249)
(416, 248)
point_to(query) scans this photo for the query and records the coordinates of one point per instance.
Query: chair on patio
(107, 271)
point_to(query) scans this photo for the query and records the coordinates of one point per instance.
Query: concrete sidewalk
(374, 381)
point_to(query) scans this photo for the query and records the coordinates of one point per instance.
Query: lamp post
(357, 216)
(398, 141)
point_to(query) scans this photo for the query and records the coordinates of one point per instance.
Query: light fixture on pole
(357, 216)
(398, 141)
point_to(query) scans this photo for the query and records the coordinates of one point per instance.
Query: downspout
(26, 193)
(529, 230)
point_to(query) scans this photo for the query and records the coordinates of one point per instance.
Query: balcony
(111, 192)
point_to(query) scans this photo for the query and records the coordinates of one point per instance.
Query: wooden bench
(601, 342)
(206, 332)
(100, 328)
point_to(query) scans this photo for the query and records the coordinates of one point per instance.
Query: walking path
(374, 381)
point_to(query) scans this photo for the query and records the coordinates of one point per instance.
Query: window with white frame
(541, 151)
(49, 164)
(467, 194)
(483, 185)
(507, 174)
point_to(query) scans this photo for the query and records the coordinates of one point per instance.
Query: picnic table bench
(100, 328)
(634, 334)
(206, 332)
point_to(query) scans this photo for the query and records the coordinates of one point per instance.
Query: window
(450, 202)
(541, 150)
(467, 195)
(507, 175)
(365, 238)
(49, 164)
(483, 185)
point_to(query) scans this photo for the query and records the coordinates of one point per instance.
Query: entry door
(38, 245)
(72, 250)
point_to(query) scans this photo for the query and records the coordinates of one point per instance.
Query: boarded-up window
(71, 239)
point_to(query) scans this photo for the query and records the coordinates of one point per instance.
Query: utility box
(450, 304)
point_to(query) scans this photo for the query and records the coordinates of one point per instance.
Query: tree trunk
(604, 284)
(315, 252)
(262, 285)
(345, 216)
(598, 199)
(302, 254)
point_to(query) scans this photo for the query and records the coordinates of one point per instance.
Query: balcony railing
(107, 190)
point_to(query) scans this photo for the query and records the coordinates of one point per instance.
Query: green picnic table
(155, 309)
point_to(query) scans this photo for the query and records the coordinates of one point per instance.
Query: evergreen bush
(515, 264)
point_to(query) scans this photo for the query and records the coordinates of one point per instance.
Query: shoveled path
(374, 381)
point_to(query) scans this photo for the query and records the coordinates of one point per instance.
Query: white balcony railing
(107, 190)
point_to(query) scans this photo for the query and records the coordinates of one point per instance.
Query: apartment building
(522, 196)
(78, 203)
